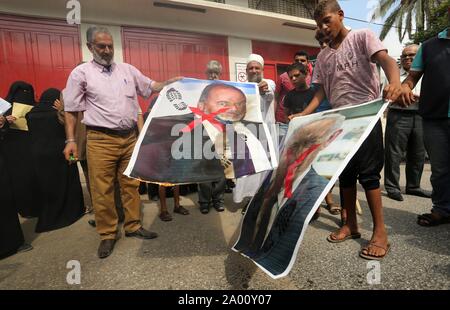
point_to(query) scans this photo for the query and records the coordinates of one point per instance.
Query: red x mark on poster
(205, 117)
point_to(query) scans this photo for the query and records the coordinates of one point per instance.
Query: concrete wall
(238, 52)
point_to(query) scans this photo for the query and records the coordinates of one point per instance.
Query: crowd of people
(96, 120)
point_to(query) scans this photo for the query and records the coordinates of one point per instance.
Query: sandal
(181, 210)
(334, 208)
(165, 216)
(330, 238)
(373, 257)
(429, 220)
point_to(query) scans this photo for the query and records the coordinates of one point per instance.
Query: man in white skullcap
(248, 186)
(255, 69)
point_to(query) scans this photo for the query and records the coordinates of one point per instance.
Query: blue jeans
(436, 134)
(282, 131)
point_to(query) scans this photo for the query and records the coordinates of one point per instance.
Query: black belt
(405, 111)
(116, 132)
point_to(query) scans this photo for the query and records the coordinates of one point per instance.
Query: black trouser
(404, 139)
(366, 164)
(211, 192)
(437, 142)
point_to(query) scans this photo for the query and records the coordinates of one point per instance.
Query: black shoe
(204, 209)
(418, 192)
(219, 207)
(315, 217)
(230, 183)
(244, 209)
(142, 233)
(24, 248)
(142, 188)
(92, 223)
(106, 247)
(395, 195)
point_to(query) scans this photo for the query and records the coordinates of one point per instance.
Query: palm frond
(419, 14)
(383, 7)
(399, 21)
(408, 24)
(390, 20)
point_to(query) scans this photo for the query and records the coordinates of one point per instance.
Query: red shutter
(279, 54)
(162, 54)
(39, 51)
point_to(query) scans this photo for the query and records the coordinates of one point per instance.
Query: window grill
(299, 8)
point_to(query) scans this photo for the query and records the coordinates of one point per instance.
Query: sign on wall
(241, 72)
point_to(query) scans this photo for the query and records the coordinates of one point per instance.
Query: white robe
(249, 185)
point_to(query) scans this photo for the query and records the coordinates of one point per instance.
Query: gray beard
(100, 60)
(255, 78)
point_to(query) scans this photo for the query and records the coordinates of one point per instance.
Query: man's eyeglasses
(412, 55)
(103, 46)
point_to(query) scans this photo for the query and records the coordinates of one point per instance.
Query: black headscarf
(48, 98)
(21, 92)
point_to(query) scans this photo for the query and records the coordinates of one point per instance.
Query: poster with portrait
(200, 131)
(316, 150)
(4, 106)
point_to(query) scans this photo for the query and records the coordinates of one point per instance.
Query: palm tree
(402, 13)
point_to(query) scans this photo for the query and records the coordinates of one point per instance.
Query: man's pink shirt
(107, 97)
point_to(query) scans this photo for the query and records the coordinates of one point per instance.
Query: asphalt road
(193, 252)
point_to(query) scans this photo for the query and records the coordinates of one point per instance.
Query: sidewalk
(193, 252)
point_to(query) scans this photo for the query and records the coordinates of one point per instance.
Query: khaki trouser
(108, 156)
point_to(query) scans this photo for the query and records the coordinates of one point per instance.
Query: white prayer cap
(257, 58)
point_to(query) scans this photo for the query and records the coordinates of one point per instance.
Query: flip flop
(428, 220)
(351, 236)
(370, 257)
(181, 210)
(165, 216)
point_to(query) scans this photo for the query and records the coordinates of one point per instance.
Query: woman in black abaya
(58, 183)
(17, 149)
(11, 236)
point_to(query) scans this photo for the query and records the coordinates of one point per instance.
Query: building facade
(42, 41)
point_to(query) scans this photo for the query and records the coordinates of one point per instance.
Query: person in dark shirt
(297, 99)
(295, 102)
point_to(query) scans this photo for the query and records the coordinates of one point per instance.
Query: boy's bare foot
(344, 233)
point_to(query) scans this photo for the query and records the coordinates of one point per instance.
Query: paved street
(193, 252)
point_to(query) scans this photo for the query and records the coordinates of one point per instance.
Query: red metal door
(162, 54)
(270, 72)
(40, 52)
(279, 53)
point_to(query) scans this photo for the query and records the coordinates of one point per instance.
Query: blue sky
(358, 9)
(361, 9)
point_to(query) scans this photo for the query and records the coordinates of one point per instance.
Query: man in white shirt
(248, 186)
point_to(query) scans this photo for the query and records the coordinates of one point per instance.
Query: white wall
(117, 37)
(238, 52)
